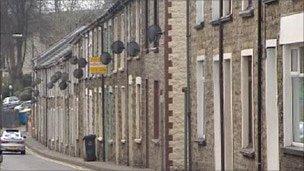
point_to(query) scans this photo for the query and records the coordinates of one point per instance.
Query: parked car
(23, 105)
(11, 102)
(12, 140)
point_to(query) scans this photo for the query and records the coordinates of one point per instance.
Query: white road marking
(56, 161)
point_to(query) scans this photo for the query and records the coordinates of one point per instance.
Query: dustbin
(90, 148)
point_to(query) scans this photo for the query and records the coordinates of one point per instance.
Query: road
(32, 161)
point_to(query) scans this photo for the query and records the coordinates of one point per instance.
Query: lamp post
(10, 87)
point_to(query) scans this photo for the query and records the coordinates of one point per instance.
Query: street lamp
(10, 87)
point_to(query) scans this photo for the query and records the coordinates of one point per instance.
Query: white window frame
(216, 9)
(287, 94)
(247, 53)
(200, 95)
(138, 96)
(123, 114)
(199, 11)
(245, 5)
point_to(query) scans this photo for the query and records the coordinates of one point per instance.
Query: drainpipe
(46, 109)
(221, 82)
(187, 122)
(260, 55)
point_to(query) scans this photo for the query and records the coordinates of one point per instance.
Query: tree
(15, 17)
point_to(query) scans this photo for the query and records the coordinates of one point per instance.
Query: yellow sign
(96, 66)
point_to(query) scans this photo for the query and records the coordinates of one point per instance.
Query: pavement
(40, 149)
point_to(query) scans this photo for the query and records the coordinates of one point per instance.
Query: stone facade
(240, 34)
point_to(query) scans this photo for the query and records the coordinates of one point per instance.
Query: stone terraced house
(160, 108)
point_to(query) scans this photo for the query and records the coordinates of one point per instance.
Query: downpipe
(259, 115)
(187, 92)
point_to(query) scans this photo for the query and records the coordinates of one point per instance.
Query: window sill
(224, 19)
(248, 152)
(138, 141)
(136, 58)
(123, 141)
(200, 26)
(121, 69)
(247, 13)
(100, 139)
(156, 141)
(292, 150)
(111, 142)
(201, 142)
(269, 1)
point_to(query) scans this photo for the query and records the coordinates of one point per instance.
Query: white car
(11, 101)
(23, 105)
(12, 140)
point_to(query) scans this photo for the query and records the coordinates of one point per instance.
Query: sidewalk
(40, 149)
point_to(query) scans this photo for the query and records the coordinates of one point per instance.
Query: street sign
(96, 66)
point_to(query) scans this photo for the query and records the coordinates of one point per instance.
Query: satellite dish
(133, 49)
(50, 85)
(73, 60)
(154, 33)
(36, 93)
(63, 85)
(78, 73)
(117, 47)
(54, 78)
(105, 58)
(82, 62)
(38, 81)
(65, 76)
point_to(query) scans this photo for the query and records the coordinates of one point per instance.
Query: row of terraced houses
(222, 89)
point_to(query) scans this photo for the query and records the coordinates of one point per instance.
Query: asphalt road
(32, 161)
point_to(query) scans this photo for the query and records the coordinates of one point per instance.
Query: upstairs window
(199, 11)
(227, 7)
(247, 4)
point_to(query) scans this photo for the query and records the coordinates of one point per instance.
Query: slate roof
(59, 50)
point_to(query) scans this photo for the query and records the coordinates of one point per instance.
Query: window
(123, 113)
(115, 25)
(247, 119)
(130, 107)
(297, 86)
(216, 8)
(199, 11)
(122, 38)
(200, 94)
(137, 22)
(247, 4)
(147, 14)
(138, 107)
(156, 109)
(116, 108)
